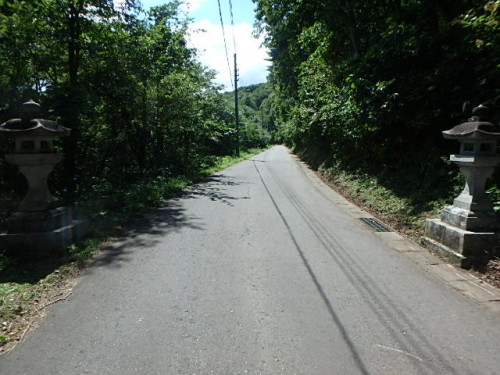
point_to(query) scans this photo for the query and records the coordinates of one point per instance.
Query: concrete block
(470, 221)
(39, 234)
(443, 250)
(461, 241)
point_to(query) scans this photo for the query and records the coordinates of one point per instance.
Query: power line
(232, 24)
(236, 121)
(225, 44)
(235, 85)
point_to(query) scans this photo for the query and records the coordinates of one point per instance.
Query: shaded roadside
(28, 287)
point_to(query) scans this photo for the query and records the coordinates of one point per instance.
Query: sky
(251, 57)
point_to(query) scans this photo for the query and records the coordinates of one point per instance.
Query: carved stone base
(459, 245)
(471, 221)
(40, 234)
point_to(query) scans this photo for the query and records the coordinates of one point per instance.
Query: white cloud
(192, 5)
(251, 57)
(252, 64)
(118, 3)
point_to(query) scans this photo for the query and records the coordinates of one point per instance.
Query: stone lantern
(39, 226)
(34, 154)
(469, 227)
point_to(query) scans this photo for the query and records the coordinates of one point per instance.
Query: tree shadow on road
(140, 234)
(171, 217)
(215, 188)
(147, 232)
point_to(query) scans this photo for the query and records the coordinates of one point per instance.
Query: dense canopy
(136, 98)
(380, 78)
(368, 86)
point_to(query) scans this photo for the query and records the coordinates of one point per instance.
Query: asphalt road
(261, 269)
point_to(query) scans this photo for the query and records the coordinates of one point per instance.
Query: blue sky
(243, 10)
(252, 64)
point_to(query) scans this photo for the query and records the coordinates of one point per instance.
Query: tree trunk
(351, 28)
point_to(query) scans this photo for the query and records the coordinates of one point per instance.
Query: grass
(405, 206)
(223, 162)
(27, 288)
(401, 207)
(18, 296)
(23, 299)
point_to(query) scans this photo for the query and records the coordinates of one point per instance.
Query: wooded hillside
(138, 101)
(256, 114)
(368, 86)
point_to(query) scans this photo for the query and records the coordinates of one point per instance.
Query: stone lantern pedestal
(36, 169)
(39, 227)
(468, 229)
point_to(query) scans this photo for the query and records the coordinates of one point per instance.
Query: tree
(377, 64)
(136, 98)
(256, 118)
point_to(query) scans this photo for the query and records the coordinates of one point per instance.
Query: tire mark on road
(357, 359)
(378, 301)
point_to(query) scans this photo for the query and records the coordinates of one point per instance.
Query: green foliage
(7, 307)
(140, 106)
(256, 117)
(115, 204)
(146, 120)
(367, 87)
(84, 250)
(27, 286)
(395, 197)
(493, 190)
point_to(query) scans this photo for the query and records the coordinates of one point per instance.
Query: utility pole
(236, 124)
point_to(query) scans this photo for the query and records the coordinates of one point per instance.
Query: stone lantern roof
(475, 127)
(29, 125)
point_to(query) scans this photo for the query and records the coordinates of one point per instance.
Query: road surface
(261, 269)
